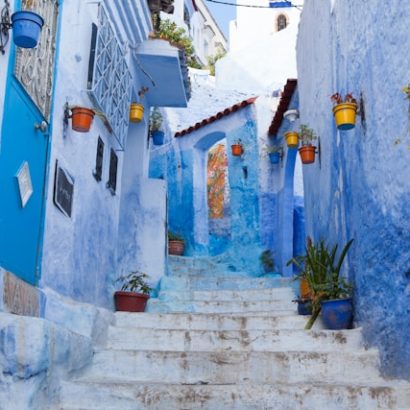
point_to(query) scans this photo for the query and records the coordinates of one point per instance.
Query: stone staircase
(217, 339)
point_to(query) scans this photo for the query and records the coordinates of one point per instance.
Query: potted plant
(155, 123)
(237, 148)
(134, 292)
(307, 150)
(81, 118)
(292, 139)
(344, 111)
(27, 26)
(266, 259)
(304, 306)
(176, 244)
(321, 269)
(136, 112)
(275, 153)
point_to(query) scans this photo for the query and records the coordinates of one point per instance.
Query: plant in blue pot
(27, 26)
(155, 124)
(275, 153)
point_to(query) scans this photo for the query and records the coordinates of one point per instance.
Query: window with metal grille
(109, 78)
(112, 180)
(99, 160)
(282, 22)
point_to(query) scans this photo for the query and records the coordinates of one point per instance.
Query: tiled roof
(216, 117)
(287, 94)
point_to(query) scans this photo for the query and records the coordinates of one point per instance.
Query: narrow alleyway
(219, 339)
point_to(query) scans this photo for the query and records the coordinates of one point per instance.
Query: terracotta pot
(292, 139)
(304, 289)
(136, 112)
(176, 247)
(307, 154)
(130, 301)
(81, 119)
(237, 150)
(345, 115)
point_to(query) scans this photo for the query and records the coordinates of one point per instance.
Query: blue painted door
(23, 151)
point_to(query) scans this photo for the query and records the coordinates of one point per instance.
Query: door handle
(42, 126)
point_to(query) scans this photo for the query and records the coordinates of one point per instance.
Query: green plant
(406, 91)
(321, 268)
(172, 236)
(266, 258)
(213, 59)
(135, 282)
(337, 98)
(155, 119)
(270, 149)
(306, 135)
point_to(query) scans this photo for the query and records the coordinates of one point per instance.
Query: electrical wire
(250, 5)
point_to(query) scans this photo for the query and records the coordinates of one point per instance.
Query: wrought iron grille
(109, 80)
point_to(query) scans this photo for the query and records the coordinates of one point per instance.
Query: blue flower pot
(26, 28)
(304, 307)
(337, 314)
(274, 157)
(158, 137)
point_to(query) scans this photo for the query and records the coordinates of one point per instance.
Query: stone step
(189, 321)
(203, 282)
(279, 294)
(197, 262)
(306, 396)
(229, 367)
(199, 271)
(233, 340)
(222, 306)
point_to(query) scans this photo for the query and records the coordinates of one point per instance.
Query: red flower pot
(176, 247)
(81, 119)
(307, 154)
(130, 301)
(237, 150)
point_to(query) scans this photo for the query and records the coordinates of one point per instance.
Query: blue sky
(222, 14)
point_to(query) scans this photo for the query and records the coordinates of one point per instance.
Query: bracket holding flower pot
(26, 27)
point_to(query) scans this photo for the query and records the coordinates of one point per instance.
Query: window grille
(112, 180)
(109, 78)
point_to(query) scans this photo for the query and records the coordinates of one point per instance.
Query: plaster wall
(361, 190)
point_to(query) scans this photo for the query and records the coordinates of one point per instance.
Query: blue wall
(362, 189)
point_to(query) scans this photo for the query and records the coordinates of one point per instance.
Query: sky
(223, 15)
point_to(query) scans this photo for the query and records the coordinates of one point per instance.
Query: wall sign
(25, 185)
(63, 190)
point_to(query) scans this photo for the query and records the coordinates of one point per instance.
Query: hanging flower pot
(158, 137)
(307, 154)
(274, 157)
(81, 119)
(344, 111)
(292, 139)
(237, 148)
(27, 26)
(136, 112)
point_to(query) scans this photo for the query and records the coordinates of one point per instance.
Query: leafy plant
(306, 135)
(406, 91)
(172, 236)
(270, 149)
(213, 59)
(321, 268)
(266, 258)
(337, 98)
(155, 119)
(135, 282)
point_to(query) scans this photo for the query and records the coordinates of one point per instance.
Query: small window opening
(112, 180)
(281, 22)
(99, 160)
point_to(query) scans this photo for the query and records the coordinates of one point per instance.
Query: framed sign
(24, 182)
(63, 190)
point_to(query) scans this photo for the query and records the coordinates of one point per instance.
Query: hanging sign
(63, 190)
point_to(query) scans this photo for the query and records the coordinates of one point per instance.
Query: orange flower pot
(176, 247)
(345, 115)
(307, 154)
(136, 112)
(81, 119)
(237, 150)
(292, 139)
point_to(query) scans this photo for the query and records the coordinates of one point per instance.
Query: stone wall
(361, 189)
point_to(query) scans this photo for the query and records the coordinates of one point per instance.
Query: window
(99, 160)
(112, 180)
(282, 22)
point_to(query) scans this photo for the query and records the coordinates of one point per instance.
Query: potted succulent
(176, 244)
(27, 26)
(307, 150)
(155, 123)
(292, 139)
(275, 153)
(344, 111)
(237, 148)
(81, 118)
(266, 259)
(134, 292)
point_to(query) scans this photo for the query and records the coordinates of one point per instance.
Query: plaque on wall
(24, 182)
(63, 190)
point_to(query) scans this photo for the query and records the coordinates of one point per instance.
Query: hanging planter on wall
(237, 148)
(27, 26)
(136, 112)
(158, 137)
(307, 150)
(292, 139)
(344, 111)
(275, 154)
(81, 119)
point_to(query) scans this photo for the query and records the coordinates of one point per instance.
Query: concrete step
(279, 294)
(203, 282)
(306, 396)
(229, 367)
(222, 306)
(189, 321)
(233, 340)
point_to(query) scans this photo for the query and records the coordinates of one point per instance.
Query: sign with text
(24, 182)
(63, 190)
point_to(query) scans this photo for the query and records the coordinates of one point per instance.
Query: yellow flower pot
(292, 139)
(345, 115)
(136, 112)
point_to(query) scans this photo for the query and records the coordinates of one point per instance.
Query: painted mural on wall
(217, 178)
